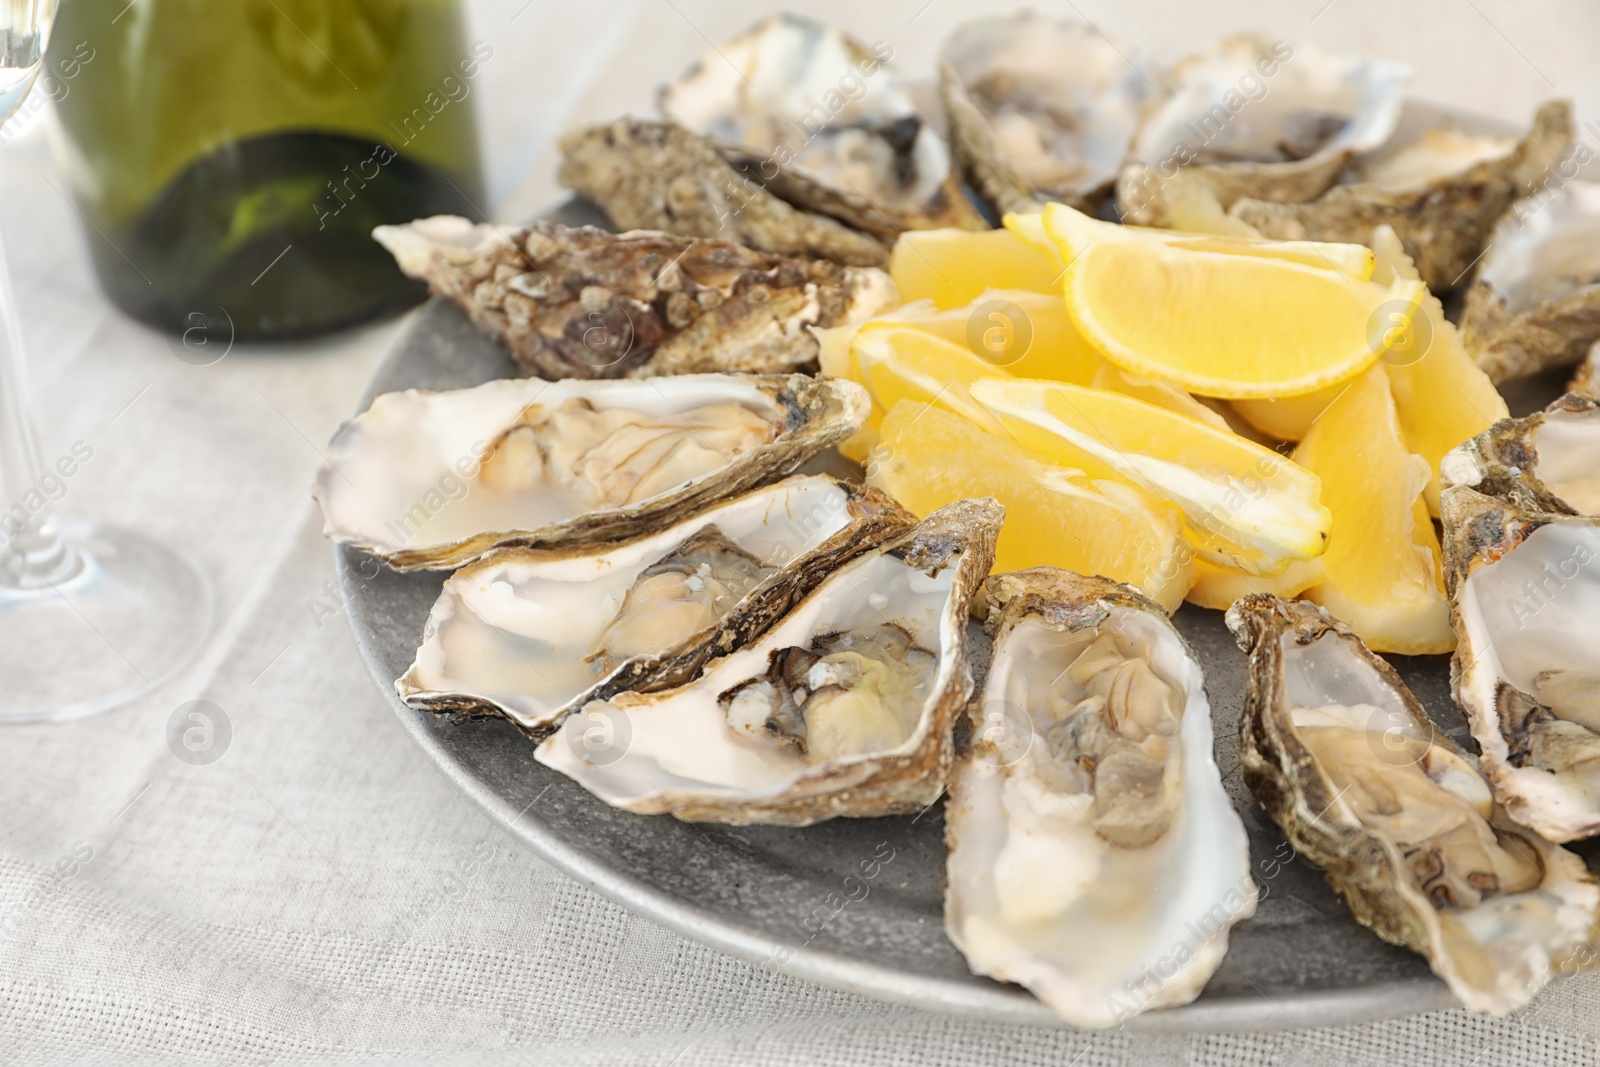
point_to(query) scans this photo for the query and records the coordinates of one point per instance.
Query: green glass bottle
(232, 156)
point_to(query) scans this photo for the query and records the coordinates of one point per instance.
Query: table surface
(321, 894)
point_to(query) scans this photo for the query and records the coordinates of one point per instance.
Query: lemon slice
(1245, 506)
(1381, 569)
(903, 363)
(1071, 231)
(1442, 397)
(1154, 391)
(1288, 418)
(955, 267)
(928, 457)
(1218, 587)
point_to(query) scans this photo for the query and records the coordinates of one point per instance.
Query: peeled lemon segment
(1218, 587)
(1245, 506)
(1072, 232)
(903, 363)
(1230, 326)
(1381, 569)
(927, 457)
(955, 267)
(1288, 418)
(1441, 395)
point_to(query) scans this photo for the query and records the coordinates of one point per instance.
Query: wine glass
(91, 615)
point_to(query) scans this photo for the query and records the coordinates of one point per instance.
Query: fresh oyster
(1040, 109)
(1258, 118)
(1442, 193)
(844, 707)
(812, 115)
(1341, 755)
(1535, 303)
(1525, 596)
(1548, 461)
(1094, 856)
(658, 176)
(529, 633)
(433, 480)
(577, 302)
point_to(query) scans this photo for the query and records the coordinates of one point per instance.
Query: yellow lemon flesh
(1442, 396)
(955, 267)
(1218, 587)
(1381, 570)
(927, 457)
(1245, 506)
(902, 363)
(1288, 418)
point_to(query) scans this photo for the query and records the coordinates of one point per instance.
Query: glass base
(117, 617)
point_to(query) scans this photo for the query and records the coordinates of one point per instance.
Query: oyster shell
(1094, 856)
(1524, 596)
(1586, 379)
(1548, 461)
(1258, 118)
(577, 302)
(811, 114)
(1040, 109)
(844, 707)
(1441, 192)
(433, 480)
(1343, 758)
(530, 633)
(658, 176)
(1535, 303)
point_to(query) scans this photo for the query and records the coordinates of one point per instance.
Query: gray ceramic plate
(778, 897)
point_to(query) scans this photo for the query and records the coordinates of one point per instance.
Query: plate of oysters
(1060, 538)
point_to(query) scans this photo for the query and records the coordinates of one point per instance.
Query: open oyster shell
(1258, 118)
(1343, 758)
(1535, 303)
(1040, 109)
(1525, 600)
(578, 302)
(844, 707)
(659, 176)
(813, 115)
(1441, 192)
(529, 633)
(1094, 856)
(433, 480)
(1548, 461)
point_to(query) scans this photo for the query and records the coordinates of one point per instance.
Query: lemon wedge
(1245, 506)
(955, 267)
(927, 457)
(899, 362)
(1218, 587)
(1381, 572)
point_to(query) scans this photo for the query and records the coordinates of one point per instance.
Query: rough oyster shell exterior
(1442, 222)
(659, 176)
(577, 302)
(1204, 93)
(413, 440)
(1535, 303)
(1064, 80)
(954, 545)
(1505, 462)
(860, 518)
(1366, 867)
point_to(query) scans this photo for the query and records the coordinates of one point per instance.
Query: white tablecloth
(322, 894)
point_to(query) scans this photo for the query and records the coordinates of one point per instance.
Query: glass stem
(32, 556)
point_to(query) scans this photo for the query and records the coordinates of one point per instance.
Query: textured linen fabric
(321, 894)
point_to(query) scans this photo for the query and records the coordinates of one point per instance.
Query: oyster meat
(1094, 856)
(433, 480)
(1040, 109)
(1258, 118)
(577, 302)
(1548, 461)
(1442, 193)
(843, 707)
(529, 633)
(1535, 303)
(658, 176)
(815, 117)
(1525, 600)
(1406, 829)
